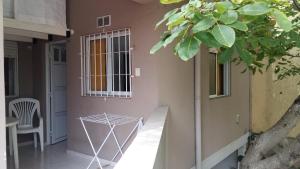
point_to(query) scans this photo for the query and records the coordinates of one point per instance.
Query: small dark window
(218, 76)
(63, 55)
(106, 20)
(103, 21)
(56, 54)
(100, 22)
(10, 76)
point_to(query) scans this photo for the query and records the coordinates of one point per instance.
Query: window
(103, 21)
(106, 64)
(59, 54)
(11, 68)
(218, 76)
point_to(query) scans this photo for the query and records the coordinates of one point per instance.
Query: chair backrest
(24, 109)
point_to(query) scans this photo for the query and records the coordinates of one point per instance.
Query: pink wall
(219, 126)
(165, 80)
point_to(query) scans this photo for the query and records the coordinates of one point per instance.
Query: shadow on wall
(231, 162)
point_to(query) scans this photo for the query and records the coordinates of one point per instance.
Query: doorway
(56, 66)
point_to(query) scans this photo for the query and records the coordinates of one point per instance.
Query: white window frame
(227, 77)
(11, 51)
(109, 92)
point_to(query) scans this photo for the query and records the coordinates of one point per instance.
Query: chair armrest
(41, 121)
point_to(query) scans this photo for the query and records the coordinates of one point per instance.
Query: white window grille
(106, 64)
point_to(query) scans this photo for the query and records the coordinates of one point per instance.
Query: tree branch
(273, 136)
(286, 159)
(296, 4)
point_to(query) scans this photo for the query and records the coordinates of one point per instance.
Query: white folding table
(111, 121)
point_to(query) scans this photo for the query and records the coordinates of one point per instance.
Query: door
(58, 87)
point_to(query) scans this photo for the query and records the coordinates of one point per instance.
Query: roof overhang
(31, 30)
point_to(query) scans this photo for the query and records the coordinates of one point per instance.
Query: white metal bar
(113, 64)
(81, 64)
(119, 44)
(126, 140)
(90, 141)
(113, 133)
(109, 66)
(130, 62)
(106, 65)
(101, 146)
(89, 66)
(84, 69)
(95, 64)
(126, 61)
(100, 56)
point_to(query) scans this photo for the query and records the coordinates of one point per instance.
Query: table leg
(15, 145)
(10, 141)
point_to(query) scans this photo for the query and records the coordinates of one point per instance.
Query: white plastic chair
(24, 110)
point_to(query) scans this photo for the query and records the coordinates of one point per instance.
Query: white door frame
(2, 95)
(48, 94)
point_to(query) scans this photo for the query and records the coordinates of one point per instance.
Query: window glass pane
(98, 65)
(116, 73)
(56, 54)
(212, 74)
(220, 79)
(9, 71)
(121, 70)
(100, 22)
(63, 55)
(124, 41)
(106, 20)
(115, 46)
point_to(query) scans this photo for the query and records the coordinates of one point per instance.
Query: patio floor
(54, 157)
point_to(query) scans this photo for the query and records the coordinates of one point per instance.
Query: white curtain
(50, 12)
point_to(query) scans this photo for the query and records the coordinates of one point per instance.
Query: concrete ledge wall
(147, 150)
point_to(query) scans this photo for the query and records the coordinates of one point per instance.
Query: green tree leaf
(175, 20)
(225, 56)
(170, 1)
(188, 48)
(257, 8)
(244, 54)
(282, 20)
(208, 39)
(166, 17)
(204, 24)
(225, 35)
(156, 47)
(223, 6)
(239, 26)
(229, 17)
(173, 35)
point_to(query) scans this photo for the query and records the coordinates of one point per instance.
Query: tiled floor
(54, 157)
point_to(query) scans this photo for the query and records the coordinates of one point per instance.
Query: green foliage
(243, 31)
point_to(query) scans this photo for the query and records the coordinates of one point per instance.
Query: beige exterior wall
(271, 99)
(219, 126)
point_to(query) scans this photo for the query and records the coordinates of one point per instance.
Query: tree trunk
(257, 156)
